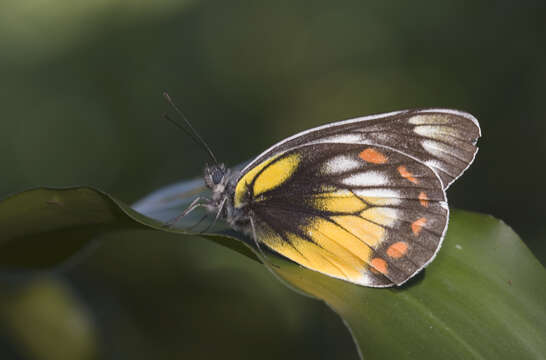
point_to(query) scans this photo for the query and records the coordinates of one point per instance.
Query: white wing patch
(342, 139)
(434, 164)
(379, 196)
(340, 164)
(444, 133)
(369, 178)
(440, 150)
(425, 130)
(427, 119)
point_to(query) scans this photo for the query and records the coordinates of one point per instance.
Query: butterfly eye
(214, 175)
(217, 176)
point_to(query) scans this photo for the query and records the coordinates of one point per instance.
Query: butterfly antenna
(180, 127)
(191, 132)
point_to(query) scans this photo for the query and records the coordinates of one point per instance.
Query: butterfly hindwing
(367, 214)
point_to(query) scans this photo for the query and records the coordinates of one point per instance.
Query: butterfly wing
(444, 140)
(367, 214)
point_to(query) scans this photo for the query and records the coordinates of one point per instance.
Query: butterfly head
(215, 176)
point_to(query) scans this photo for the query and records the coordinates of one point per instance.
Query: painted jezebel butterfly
(362, 200)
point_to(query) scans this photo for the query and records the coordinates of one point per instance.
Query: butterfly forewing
(367, 214)
(442, 139)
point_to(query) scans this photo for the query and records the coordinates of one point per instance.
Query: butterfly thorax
(222, 182)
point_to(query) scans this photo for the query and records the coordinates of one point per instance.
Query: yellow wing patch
(332, 251)
(339, 201)
(325, 261)
(367, 232)
(327, 234)
(240, 189)
(380, 215)
(277, 172)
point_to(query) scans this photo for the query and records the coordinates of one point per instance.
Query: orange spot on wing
(398, 249)
(417, 225)
(406, 174)
(373, 156)
(423, 199)
(379, 266)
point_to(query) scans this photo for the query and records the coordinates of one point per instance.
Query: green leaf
(47, 320)
(483, 296)
(43, 227)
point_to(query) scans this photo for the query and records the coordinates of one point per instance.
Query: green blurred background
(81, 105)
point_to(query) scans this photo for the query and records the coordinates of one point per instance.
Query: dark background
(81, 104)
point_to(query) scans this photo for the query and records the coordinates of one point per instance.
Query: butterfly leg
(194, 205)
(220, 208)
(198, 222)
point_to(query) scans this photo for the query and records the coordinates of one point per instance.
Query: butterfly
(361, 200)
